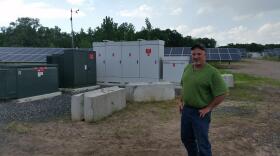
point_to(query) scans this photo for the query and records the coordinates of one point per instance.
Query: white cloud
(175, 3)
(142, 11)
(204, 10)
(267, 33)
(40, 10)
(177, 11)
(202, 31)
(247, 16)
(76, 2)
(183, 29)
(271, 29)
(243, 6)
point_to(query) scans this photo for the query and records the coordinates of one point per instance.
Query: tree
(126, 32)
(107, 30)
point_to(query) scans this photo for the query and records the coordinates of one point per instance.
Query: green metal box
(77, 68)
(20, 81)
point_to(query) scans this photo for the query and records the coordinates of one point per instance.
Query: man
(203, 89)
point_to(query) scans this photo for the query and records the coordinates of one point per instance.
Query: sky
(227, 21)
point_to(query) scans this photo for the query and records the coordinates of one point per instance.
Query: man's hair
(198, 46)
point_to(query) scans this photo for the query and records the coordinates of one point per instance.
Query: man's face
(198, 57)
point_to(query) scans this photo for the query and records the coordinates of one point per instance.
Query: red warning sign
(148, 51)
(40, 69)
(91, 56)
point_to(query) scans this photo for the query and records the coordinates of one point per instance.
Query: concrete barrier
(155, 91)
(103, 102)
(228, 80)
(77, 107)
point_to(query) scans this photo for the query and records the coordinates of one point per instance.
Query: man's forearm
(217, 100)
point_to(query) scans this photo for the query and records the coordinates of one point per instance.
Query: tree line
(28, 32)
(252, 47)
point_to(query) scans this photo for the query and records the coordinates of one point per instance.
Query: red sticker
(148, 51)
(91, 56)
(40, 69)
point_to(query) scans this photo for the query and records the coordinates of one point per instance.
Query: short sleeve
(218, 85)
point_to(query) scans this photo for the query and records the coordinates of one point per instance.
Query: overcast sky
(227, 21)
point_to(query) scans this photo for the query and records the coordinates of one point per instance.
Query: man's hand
(180, 105)
(204, 111)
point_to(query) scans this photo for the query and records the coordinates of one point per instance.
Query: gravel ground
(40, 110)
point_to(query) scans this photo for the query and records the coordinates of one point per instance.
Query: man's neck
(199, 66)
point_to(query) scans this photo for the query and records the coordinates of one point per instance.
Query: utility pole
(72, 32)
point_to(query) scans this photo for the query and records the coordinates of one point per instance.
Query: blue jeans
(194, 132)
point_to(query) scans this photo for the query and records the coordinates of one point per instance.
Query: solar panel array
(212, 54)
(272, 52)
(11, 54)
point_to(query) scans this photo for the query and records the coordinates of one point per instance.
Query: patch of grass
(250, 80)
(18, 127)
(247, 87)
(272, 58)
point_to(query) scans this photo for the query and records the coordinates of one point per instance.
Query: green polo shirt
(201, 86)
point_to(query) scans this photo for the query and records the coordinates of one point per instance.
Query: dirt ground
(256, 67)
(238, 128)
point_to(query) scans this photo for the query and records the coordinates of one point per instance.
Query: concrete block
(38, 97)
(77, 107)
(103, 102)
(228, 79)
(76, 90)
(155, 91)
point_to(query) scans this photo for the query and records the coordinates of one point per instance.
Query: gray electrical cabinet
(77, 68)
(173, 67)
(150, 54)
(100, 49)
(20, 81)
(129, 61)
(113, 61)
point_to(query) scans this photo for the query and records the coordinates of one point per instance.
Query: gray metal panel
(173, 69)
(100, 60)
(113, 60)
(149, 60)
(130, 60)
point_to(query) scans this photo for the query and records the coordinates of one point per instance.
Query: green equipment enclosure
(77, 68)
(20, 81)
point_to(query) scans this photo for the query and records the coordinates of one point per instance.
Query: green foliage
(28, 32)
(252, 47)
(247, 87)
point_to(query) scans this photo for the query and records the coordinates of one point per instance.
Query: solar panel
(18, 54)
(167, 51)
(187, 51)
(177, 51)
(212, 54)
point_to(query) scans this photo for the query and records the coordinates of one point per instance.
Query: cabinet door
(149, 61)
(130, 59)
(100, 62)
(80, 68)
(113, 61)
(91, 71)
